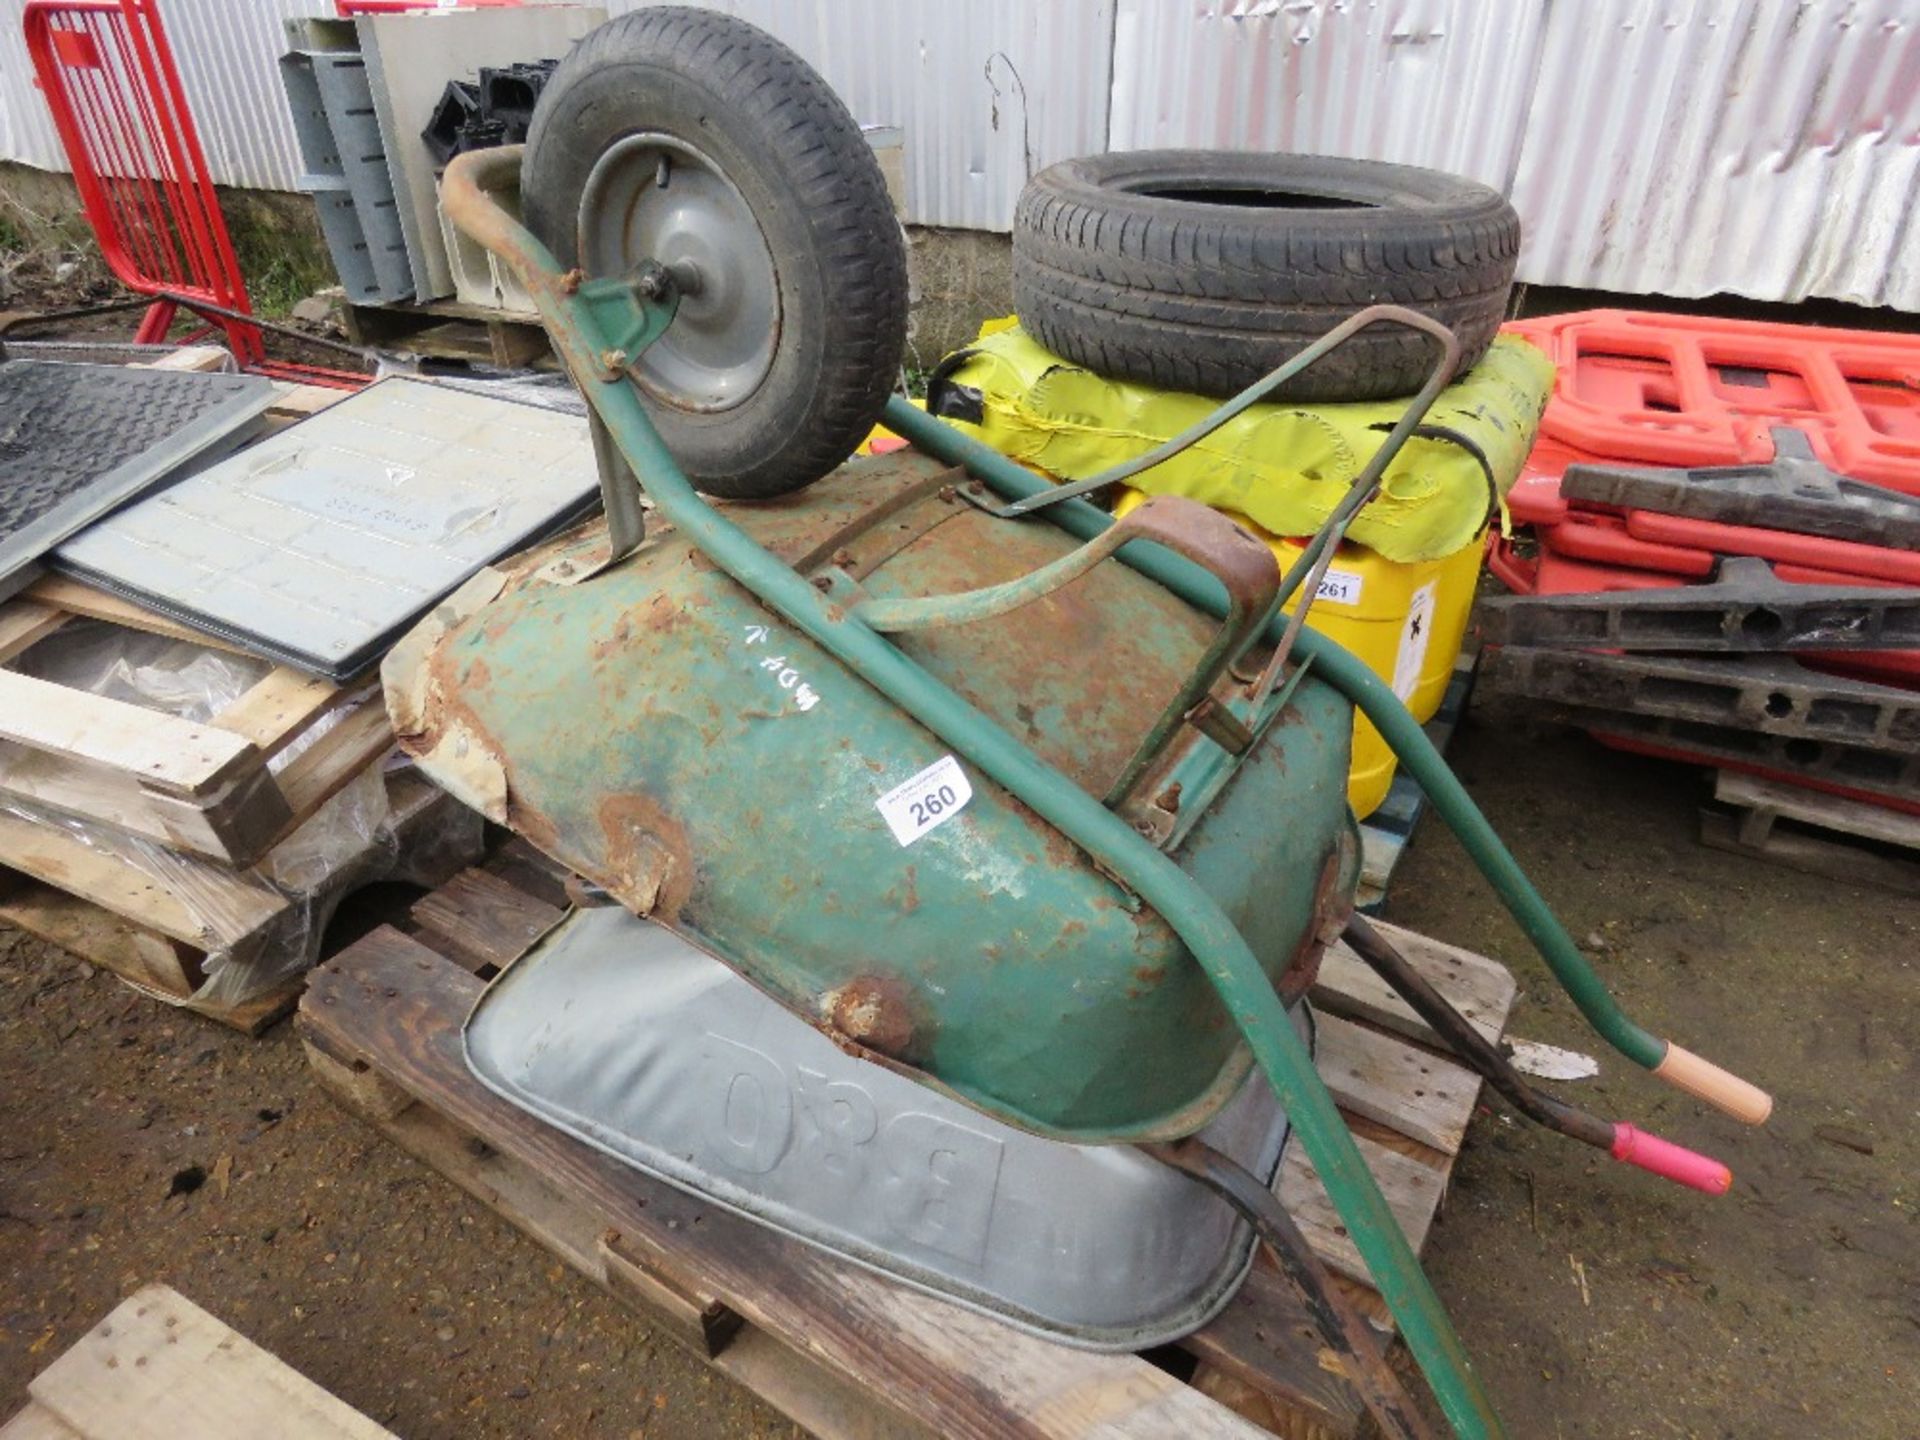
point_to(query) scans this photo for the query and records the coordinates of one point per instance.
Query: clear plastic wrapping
(549, 392)
(243, 932)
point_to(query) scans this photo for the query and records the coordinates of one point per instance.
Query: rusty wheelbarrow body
(713, 767)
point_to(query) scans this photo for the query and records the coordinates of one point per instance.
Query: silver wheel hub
(655, 197)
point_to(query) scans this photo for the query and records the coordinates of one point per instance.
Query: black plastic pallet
(1772, 695)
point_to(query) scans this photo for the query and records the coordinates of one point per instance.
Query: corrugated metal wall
(1765, 147)
(229, 53)
(1442, 83)
(987, 91)
(1683, 147)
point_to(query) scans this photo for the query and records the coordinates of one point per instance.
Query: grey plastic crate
(345, 170)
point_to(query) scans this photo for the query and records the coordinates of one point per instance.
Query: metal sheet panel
(1686, 147)
(78, 440)
(1442, 83)
(319, 543)
(621, 1033)
(410, 57)
(986, 91)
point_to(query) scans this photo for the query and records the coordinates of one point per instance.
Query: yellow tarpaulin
(1283, 465)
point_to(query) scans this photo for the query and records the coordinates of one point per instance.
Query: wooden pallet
(450, 329)
(157, 931)
(202, 789)
(1823, 835)
(1386, 833)
(841, 1351)
(159, 1368)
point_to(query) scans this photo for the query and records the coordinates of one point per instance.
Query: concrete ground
(137, 1144)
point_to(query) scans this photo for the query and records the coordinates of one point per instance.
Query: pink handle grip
(1674, 1162)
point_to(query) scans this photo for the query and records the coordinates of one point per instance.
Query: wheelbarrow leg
(1362, 1361)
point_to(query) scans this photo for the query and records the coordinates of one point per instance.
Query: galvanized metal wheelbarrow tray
(598, 326)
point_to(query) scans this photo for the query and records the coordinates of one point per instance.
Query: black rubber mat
(77, 441)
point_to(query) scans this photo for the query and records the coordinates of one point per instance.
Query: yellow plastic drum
(1404, 620)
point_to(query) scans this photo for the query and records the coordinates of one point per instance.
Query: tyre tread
(1210, 297)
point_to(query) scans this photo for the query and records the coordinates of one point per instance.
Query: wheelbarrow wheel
(696, 140)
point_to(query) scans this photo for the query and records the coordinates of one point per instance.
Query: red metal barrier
(110, 81)
(117, 102)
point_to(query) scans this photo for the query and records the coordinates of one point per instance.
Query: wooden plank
(203, 789)
(1250, 1402)
(235, 825)
(527, 870)
(1480, 989)
(24, 623)
(119, 801)
(159, 1367)
(1410, 1090)
(206, 905)
(172, 968)
(78, 598)
(206, 359)
(393, 1006)
(335, 759)
(482, 921)
(36, 1423)
(514, 344)
(1848, 862)
(296, 402)
(152, 963)
(278, 708)
(820, 1403)
(635, 1272)
(1412, 1188)
(161, 751)
(682, 1308)
(1265, 1339)
(1816, 807)
(81, 927)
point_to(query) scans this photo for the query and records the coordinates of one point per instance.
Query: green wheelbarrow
(1041, 809)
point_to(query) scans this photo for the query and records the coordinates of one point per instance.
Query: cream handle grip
(1719, 1088)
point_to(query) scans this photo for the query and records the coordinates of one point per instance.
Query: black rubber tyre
(1202, 270)
(749, 110)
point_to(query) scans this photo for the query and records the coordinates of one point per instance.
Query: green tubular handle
(1402, 732)
(1243, 986)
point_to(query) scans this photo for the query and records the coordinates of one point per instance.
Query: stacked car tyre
(1203, 270)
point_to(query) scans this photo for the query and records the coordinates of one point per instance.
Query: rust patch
(875, 1012)
(616, 641)
(649, 861)
(535, 828)
(1331, 907)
